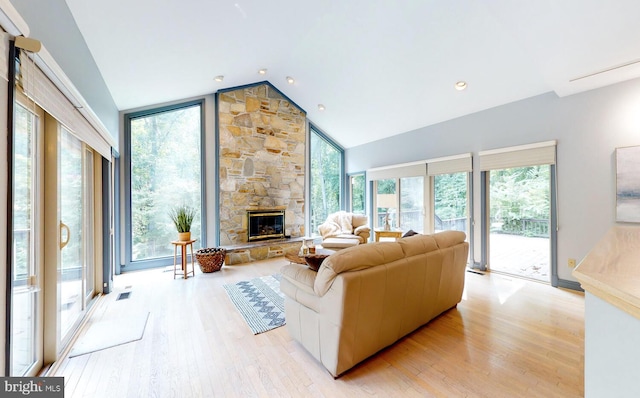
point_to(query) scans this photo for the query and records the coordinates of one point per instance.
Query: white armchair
(343, 229)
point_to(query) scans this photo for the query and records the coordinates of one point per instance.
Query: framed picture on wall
(628, 184)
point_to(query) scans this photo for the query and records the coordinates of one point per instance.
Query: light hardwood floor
(507, 338)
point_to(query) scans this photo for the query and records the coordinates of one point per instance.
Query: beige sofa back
(367, 297)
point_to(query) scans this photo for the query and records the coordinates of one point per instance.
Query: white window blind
(398, 171)
(450, 164)
(518, 156)
(40, 89)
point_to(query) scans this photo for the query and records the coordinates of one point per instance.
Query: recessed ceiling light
(219, 78)
(460, 85)
(321, 107)
(263, 71)
(290, 80)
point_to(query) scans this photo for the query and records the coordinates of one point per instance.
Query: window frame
(129, 264)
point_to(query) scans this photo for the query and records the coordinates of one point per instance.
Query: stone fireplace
(261, 152)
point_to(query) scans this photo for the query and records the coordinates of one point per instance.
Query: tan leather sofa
(364, 298)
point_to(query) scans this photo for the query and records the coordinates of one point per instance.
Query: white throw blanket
(337, 224)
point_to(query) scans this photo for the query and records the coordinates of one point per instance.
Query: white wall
(588, 127)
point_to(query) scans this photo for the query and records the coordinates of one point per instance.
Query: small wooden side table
(183, 250)
(382, 233)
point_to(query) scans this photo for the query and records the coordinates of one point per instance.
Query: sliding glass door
(26, 292)
(72, 265)
(520, 211)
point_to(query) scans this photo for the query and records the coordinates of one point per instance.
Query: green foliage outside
(450, 196)
(72, 187)
(22, 185)
(326, 173)
(520, 200)
(358, 185)
(165, 171)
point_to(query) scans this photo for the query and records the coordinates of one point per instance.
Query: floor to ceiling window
(326, 171)
(165, 156)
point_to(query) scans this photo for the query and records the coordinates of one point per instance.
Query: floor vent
(123, 296)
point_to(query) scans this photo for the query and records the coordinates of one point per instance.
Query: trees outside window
(357, 186)
(450, 201)
(327, 169)
(165, 171)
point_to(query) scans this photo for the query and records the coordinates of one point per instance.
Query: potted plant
(182, 217)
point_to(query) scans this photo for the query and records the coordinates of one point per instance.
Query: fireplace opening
(265, 224)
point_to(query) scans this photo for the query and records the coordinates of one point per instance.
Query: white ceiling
(380, 67)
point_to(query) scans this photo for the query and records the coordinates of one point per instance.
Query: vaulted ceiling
(380, 68)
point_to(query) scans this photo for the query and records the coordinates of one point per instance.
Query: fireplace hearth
(265, 224)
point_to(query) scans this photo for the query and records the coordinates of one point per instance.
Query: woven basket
(211, 259)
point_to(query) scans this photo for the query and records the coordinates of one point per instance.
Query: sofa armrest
(300, 276)
(364, 232)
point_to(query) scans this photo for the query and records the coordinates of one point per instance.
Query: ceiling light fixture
(321, 107)
(460, 85)
(219, 78)
(290, 80)
(262, 71)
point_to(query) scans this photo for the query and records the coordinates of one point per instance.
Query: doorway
(519, 221)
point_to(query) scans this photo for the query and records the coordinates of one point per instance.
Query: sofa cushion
(341, 242)
(449, 238)
(418, 244)
(353, 259)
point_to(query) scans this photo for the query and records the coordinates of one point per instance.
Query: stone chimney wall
(262, 141)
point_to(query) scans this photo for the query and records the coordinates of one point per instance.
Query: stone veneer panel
(262, 139)
(259, 252)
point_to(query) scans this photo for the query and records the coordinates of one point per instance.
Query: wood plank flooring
(507, 338)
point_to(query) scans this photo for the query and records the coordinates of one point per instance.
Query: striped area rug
(259, 301)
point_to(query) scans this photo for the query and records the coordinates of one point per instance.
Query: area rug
(259, 301)
(110, 333)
